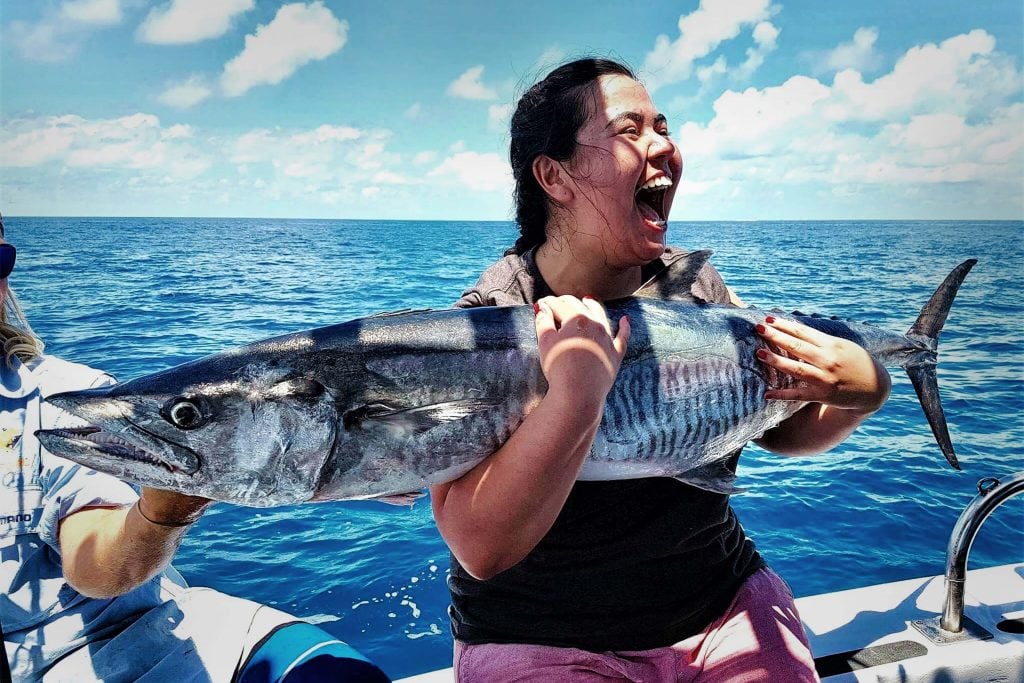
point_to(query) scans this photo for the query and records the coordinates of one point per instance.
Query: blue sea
(135, 295)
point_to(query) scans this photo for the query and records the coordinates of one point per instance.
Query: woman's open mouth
(651, 199)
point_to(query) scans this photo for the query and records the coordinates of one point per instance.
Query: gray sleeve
(499, 285)
(471, 298)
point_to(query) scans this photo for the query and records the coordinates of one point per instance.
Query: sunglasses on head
(8, 254)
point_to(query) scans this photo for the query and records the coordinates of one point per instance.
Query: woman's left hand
(830, 370)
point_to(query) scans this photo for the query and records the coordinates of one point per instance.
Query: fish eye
(183, 413)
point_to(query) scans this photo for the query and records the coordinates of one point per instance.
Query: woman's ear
(552, 178)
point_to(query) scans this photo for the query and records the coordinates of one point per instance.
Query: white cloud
(92, 11)
(498, 116)
(137, 142)
(326, 159)
(700, 33)
(372, 155)
(933, 130)
(414, 111)
(296, 152)
(468, 86)
(422, 158)
(326, 133)
(389, 178)
(188, 93)
(858, 54)
(178, 132)
(190, 21)
(765, 34)
(60, 33)
(926, 76)
(913, 128)
(297, 35)
(548, 60)
(477, 171)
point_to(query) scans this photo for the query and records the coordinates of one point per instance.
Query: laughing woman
(646, 579)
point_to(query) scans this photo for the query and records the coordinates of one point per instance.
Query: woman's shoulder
(509, 281)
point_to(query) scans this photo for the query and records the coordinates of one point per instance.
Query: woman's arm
(109, 551)
(495, 514)
(841, 381)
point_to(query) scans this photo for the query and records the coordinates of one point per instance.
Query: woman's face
(626, 172)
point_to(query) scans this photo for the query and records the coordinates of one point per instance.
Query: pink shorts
(759, 639)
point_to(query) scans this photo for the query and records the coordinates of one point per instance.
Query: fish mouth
(91, 442)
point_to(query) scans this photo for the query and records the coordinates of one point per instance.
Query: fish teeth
(660, 181)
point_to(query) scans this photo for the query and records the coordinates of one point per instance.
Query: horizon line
(512, 221)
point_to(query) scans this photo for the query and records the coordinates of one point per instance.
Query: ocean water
(137, 295)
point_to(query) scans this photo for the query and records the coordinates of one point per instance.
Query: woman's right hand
(495, 514)
(579, 354)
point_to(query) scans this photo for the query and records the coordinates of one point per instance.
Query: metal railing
(991, 494)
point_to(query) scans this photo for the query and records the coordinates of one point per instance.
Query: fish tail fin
(921, 366)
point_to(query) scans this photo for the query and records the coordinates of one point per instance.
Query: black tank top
(627, 565)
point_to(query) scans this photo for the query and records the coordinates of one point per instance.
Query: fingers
(544, 320)
(595, 312)
(566, 317)
(793, 368)
(798, 341)
(622, 338)
(570, 315)
(798, 330)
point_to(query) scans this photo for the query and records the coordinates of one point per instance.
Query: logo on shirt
(21, 517)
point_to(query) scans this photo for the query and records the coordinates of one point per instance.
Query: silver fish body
(389, 404)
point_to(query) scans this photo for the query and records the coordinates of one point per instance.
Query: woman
(83, 594)
(647, 579)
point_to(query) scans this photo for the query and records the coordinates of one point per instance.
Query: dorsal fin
(676, 279)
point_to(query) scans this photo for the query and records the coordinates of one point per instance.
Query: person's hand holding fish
(578, 351)
(828, 370)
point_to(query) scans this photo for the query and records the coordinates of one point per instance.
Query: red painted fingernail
(536, 308)
(762, 354)
(760, 328)
(770, 319)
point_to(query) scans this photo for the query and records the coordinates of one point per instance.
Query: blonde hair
(18, 338)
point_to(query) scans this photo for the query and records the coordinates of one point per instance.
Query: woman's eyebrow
(626, 116)
(635, 118)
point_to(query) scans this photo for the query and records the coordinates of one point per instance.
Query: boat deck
(867, 634)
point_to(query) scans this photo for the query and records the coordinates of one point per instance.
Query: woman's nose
(661, 146)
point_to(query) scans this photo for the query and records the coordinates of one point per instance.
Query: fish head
(251, 432)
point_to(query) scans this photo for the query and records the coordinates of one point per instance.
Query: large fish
(382, 406)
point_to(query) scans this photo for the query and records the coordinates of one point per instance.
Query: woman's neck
(581, 273)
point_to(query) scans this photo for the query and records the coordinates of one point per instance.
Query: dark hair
(546, 121)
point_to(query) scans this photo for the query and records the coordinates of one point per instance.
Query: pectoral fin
(714, 477)
(405, 499)
(415, 420)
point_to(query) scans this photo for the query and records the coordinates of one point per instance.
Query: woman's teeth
(660, 181)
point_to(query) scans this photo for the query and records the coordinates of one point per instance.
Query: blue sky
(797, 109)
